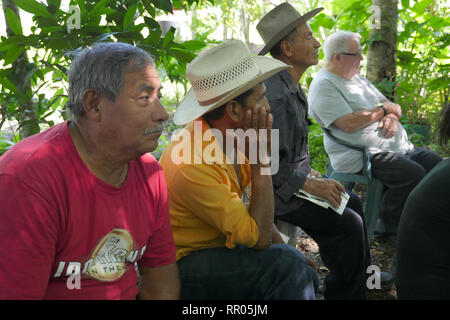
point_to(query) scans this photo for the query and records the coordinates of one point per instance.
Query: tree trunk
(381, 54)
(225, 29)
(244, 23)
(28, 124)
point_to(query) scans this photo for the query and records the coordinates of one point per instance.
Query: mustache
(162, 127)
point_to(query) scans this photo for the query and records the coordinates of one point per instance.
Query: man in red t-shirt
(83, 202)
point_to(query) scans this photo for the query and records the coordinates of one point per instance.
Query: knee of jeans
(289, 255)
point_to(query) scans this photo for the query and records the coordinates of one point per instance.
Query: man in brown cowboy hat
(342, 240)
(225, 249)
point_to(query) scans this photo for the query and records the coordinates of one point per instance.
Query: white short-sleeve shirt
(331, 97)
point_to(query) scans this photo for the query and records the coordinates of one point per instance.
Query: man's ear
(337, 57)
(286, 48)
(91, 101)
(232, 109)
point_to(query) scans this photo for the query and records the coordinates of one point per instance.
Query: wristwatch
(382, 108)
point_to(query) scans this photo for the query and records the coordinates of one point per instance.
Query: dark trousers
(400, 174)
(277, 273)
(343, 245)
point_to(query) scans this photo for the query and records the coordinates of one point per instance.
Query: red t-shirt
(65, 234)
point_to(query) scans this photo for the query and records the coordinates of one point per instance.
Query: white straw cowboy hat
(220, 74)
(279, 22)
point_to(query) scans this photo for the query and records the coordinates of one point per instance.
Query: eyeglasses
(356, 54)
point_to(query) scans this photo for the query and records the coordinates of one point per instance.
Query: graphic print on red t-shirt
(110, 259)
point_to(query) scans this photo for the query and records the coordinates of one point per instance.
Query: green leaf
(154, 36)
(151, 11)
(57, 44)
(420, 6)
(13, 54)
(181, 55)
(104, 36)
(82, 6)
(7, 84)
(98, 6)
(405, 4)
(438, 84)
(13, 21)
(35, 7)
(105, 11)
(152, 23)
(436, 22)
(168, 38)
(55, 3)
(16, 40)
(165, 5)
(47, 22)
(193, 45)
(323, 20)
(50, 29)
(342, 5)
(129, 17)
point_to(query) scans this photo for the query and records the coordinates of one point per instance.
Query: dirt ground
(383, 255)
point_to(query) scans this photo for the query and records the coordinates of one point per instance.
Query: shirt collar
(287, 79)
(207, 157)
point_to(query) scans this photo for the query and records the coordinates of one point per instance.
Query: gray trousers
(400, 174)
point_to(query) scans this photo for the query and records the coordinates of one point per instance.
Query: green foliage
(421, 83)
(37, 63)
(423, 67)
(317, 152)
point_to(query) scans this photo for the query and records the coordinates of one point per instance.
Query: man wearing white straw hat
(225, 249)
(342, 240)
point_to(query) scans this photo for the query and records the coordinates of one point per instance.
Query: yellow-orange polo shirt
(206, 210)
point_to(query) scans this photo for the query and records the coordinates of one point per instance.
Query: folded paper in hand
(322, 202)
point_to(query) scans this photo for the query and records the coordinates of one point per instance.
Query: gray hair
(337, 43)
(275, 51)
(102, 67)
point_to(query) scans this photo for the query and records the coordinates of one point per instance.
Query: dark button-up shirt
(290, 116)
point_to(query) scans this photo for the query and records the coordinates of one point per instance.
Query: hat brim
(286, 30)
(189, 109)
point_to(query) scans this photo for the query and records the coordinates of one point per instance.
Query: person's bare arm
(276, 236)
(159, 283)
(355, 121)
(262, 205)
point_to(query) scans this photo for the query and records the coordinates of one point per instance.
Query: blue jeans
(277, 273)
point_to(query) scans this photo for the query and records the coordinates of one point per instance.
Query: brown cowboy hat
(278, 22)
